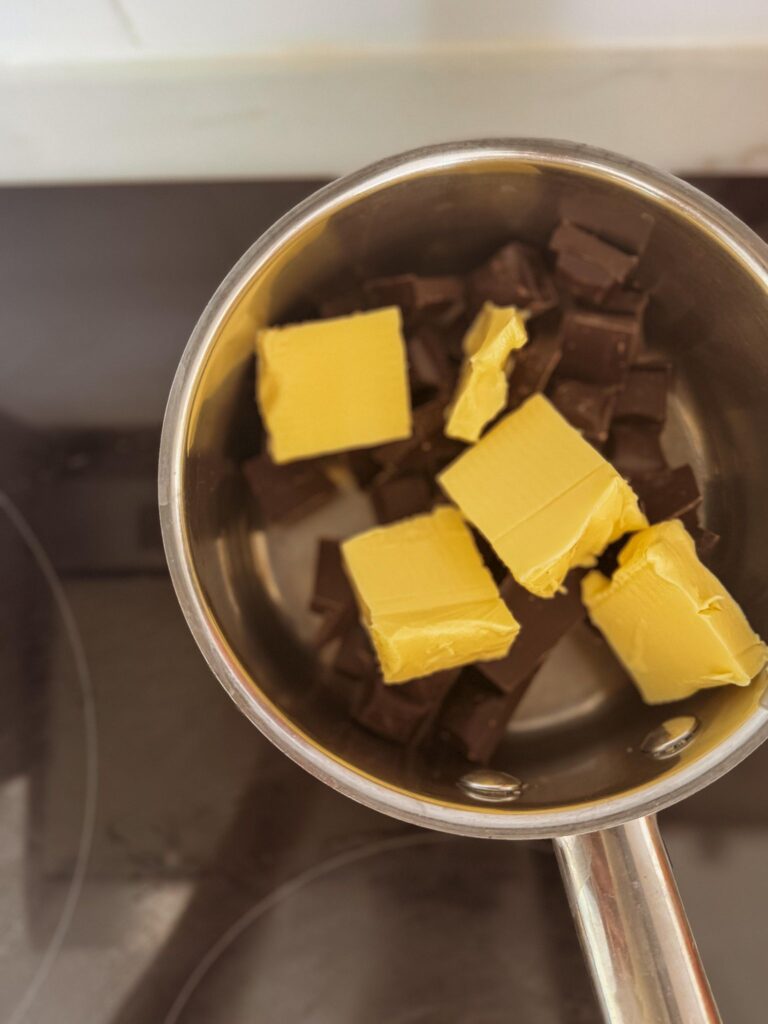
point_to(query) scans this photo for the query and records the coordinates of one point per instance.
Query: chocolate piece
(401, 496)
(413, 293)
(542, 622)
(513, 276)
(587, 407)
(362, 465)
(332, 589)
(476, 714)
(570, 240)
(343, 303)
(533, 367)
(635, 449)
(289, 492)
(355, 656)
(668, 494)
(429, 363)
(585, 281)
(428, 420)
(401, 713)
(644, 395)
(598, 347)
(334, 623)
(626, 300)
(610, 219)
(705, 540)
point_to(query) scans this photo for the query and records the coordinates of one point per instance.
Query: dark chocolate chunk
(429, 364)
(585, 281)
(644, 395)
(286, 493)
(597, 347)
(635, 449)
(476, 714)
(356, 656)
(571, 240)
(352, 300)
(334, 623)
(332, 589)
(413, 293)
(402, 712)
(667, 494)
(433, 689)
(542, 622)
(401, 496)
(362, 465)
(587, 407)
(427, 450)
(610, 219)
(626, 300)
(533, 367)
(705, 540)
(514, 276)
(389, 714)
(608, 562)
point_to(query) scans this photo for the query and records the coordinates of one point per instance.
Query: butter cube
(544, 498)
(331, 385)
(481, 392)
(669, 620)
(425, 596)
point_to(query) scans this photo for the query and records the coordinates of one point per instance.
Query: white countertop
(120, 90)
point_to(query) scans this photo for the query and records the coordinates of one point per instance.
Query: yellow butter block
(425, 596)
(331, 385)
(481, 392)
(544, 498)
(669, 619)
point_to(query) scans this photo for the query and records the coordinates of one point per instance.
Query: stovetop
(159, 860)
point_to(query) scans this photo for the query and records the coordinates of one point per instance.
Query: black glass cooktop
(159, 861)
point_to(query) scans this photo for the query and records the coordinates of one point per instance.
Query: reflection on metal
(490, 786)
(670, 737)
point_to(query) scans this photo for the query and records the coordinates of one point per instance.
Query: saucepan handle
(633, 929)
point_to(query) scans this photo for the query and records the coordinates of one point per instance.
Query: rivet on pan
(669, 738)
(490, 786)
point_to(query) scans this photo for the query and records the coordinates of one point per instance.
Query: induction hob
(159, 860)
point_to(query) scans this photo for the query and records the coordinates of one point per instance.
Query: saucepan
(585, 762)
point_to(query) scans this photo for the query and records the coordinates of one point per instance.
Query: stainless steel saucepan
(584, 763)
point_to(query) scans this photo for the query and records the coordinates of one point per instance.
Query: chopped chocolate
(288, 492)
(635, 449)
(609, 219)
(332, 589)
(533, 367)
(429, 363)
(667, 494)
(334, 623)
(390, 714)
(542, 622)
(342, 304)
(514, 276)
(401, 496)
(587, 407)
(705, 540)
(362, 465)
(476, 714)
(403, 712)
(428, 420)
(355, 656)
(583, 280)
(598, 347)
(608, 562)
(413, 293)
(571, 240)
(626, 300)
(644, 395)
(433, 689)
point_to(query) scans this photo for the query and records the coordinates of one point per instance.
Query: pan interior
(577, 736)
